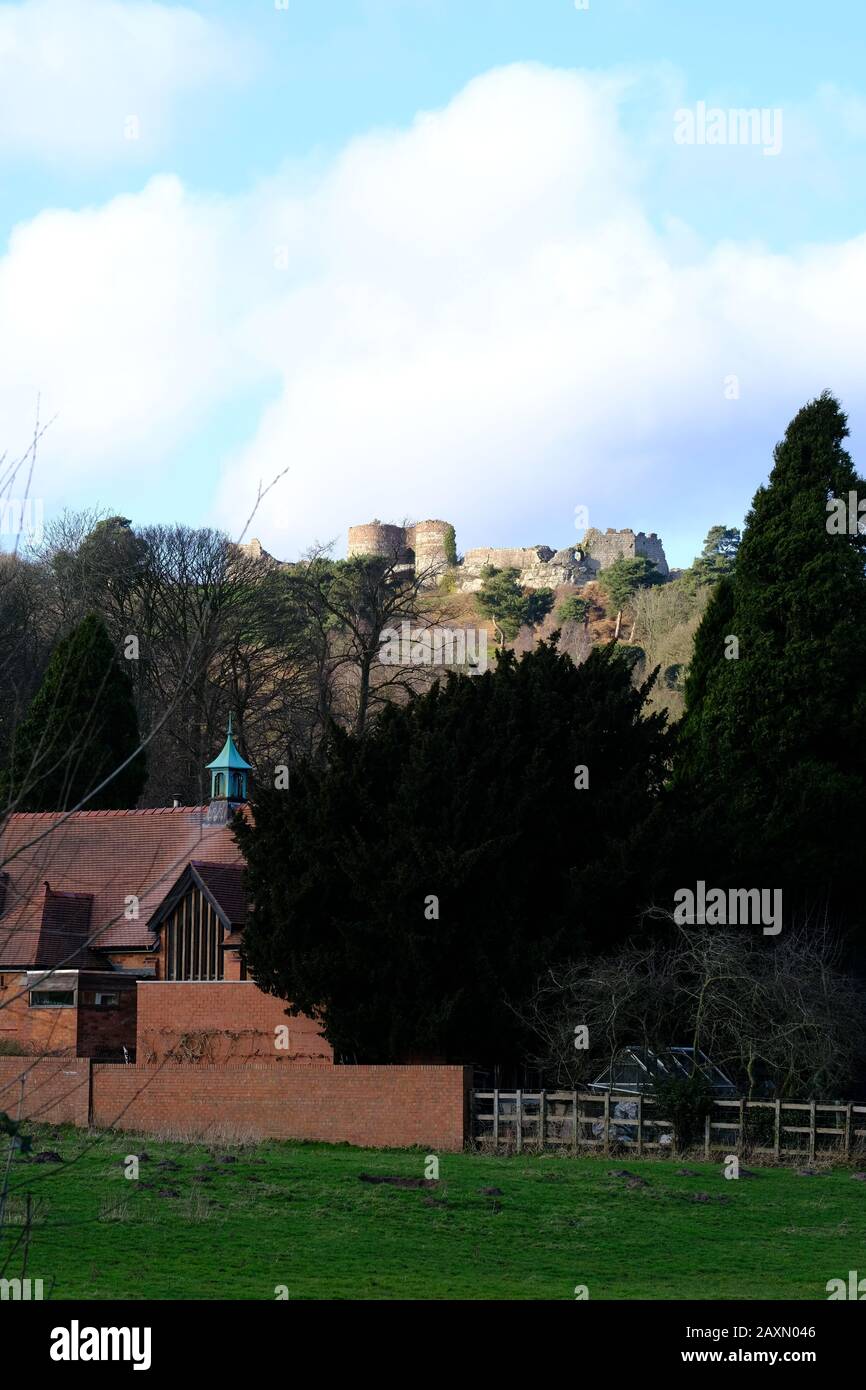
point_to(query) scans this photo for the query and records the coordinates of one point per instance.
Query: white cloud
(477, 319)
(493, 330)
(75, 73)
(117, 317)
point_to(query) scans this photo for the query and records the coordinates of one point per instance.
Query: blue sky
(434, 257)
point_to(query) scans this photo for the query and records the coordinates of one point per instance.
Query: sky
(508, 263)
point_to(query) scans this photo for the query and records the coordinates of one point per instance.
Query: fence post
(542, 1118)
(518, 1116)
(707, 1134)
(640, 1124)
(741, 1142)
(496, 1119)
(574, 1132)
(848, 1130)
(777, 1131)
(607, 1122)
(811, 1131)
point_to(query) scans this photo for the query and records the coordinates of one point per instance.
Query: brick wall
(105, 1032)
(55, 1090)
(39, 1030)
(222, 1021)
(375, 1107)
(83, 1030)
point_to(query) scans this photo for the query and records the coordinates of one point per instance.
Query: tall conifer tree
(81, 728)
(774, 738)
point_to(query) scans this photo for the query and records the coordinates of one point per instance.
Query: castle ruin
(422, 549)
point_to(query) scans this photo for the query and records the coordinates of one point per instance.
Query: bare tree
(346, 608)
(783, 1011)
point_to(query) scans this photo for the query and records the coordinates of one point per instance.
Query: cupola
(228, 772)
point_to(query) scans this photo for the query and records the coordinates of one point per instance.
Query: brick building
(120, 935)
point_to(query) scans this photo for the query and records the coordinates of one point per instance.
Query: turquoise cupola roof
(229, 772)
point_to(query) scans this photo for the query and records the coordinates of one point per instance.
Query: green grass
(297, 1215)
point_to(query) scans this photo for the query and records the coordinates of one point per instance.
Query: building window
(220, 784)
(193, 940)
(52, 998)
(100, 998)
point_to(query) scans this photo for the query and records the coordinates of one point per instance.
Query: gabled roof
(222, 885)
(109, 856)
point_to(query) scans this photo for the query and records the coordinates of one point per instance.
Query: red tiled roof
(64, 932)
(108, 856)
(225, 884)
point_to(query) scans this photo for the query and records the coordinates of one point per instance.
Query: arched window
(219, 786)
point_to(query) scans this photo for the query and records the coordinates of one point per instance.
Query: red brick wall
(82, 1031)
(55, 1091)
(226, 1021)
(232, 965)
(105, 1032)
(376, 1107)
(39, 1030)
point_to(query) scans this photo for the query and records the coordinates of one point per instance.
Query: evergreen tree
(81, 728)
(502, 599)
(409, 891)
(623, 578)
(774, 737)
(717, 558)
(573, 610)
(709, 643)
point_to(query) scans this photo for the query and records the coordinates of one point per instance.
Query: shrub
(686, 1104)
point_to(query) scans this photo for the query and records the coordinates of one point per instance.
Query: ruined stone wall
(521, 559)
(604, 547)
(539, 566)
(652, 547)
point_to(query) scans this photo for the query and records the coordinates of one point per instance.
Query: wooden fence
(518, 1120)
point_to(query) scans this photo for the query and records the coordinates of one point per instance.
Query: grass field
(298, 1215)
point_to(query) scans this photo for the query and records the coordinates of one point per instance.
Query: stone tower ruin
(378, 538)
(422, 545)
